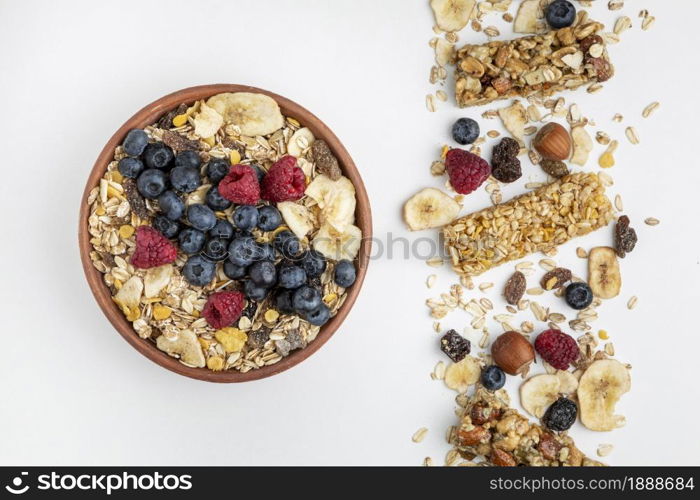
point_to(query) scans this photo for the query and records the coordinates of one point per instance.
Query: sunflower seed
(419, 435)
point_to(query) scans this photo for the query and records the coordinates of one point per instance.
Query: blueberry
(263, 273)
(201, 217)
(465, 131)
(168, 228)
(135, 142)
(314, 263)
(216, 249)
(171, 205)
(283, 301)
(185, 179)
(560, 14)
(578, 295)
(253, 291)
(561, 415)
(191, 240)
(344, 274)
(259, 172)
(269, 218)
(158, 155)
(199, 271)
(318, 316)
(222, 229)
(243, 251)
(245, 217)
(233, 271)
(287, 244)
(291, 276)
(267, 252)
(188, 159)
(217, 169)
(151, 183)
(306, 299)
(215, 201)
(130, 167)
(493, 378)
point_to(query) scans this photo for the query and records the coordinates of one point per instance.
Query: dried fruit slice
(336, 245)
(185, 346)
(129, 295)
(530, 18)
(336, 199)
(300, 141)
(538, 393)
(452, 15)
(582, 145)
(459, 376)
(156, 279)
(600, 387)
(604, 272)
(254, 114)
(514, 118)
(297, 217)
(207, 122)
(429, 208)
(568, 383)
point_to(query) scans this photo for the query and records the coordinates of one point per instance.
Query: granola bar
(541, 64)
(489, 428)
(536, 221)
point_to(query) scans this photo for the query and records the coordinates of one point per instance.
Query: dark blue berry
(222, 229)
(215, 201)
(130, 167)
(216, 249)
(191, 240)
(561, 415)
(158, 155)
(253, 291)
(243, 251)
(493, 378)
(188, 159)
(465, 131)
(283, 301)
(578, 295)
(290, 276)
(135, 142)
(269, 218)
(287, 244)
(171, 205)
(560, 14)
(185, 179)
(217, 169)
(267, 252)
(318, 316)
(234, 272)
(306, 299)
(314, 263)
(344, 274)
(168, 228)
(263, 273)
(245, 217)
(151, 183)
(201, 217)
(199, 271)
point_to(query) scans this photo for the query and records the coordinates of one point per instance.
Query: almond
(512, 352)
(473, 437)
(553, 142)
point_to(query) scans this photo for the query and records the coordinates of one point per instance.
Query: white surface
(73, 392)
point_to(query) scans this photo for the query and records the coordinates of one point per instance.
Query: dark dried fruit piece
(507, 148)
(555, 278)
(515, 288)
(166, 121)
(257, 338)
(136, 201)
(555, 168)
(561, 415)
(326, 162)
(455, 346)
(507, 170)
(548, 446)
(625, 236)
(179, 142)
(589, 41)
(603, 69)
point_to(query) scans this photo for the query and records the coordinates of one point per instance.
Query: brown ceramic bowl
(149, 115)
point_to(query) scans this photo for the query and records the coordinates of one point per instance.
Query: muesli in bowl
(225, 232)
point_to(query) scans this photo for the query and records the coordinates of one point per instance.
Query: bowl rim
(147, 116)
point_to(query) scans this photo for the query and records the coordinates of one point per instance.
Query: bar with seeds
(536, 221)
(541, 64)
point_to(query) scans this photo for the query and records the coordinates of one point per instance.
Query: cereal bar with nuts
(541, 64)
(491, 430)
(539, 220)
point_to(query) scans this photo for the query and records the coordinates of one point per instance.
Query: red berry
(467, 171)
(223, 308)
(284, 182)
(557, 348)
(152, 249)
(240, 185)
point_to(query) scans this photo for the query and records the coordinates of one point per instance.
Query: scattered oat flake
(419, 435)
(648, 22)
(650, 109)
(618, 118)
(430, 281)
(427, 462)
(438, 371)
(435, 262)
(632, 302)
(441, 95)
(485, 286)
(616, 4)
(651, 221)
(430, 102)
(582, 253)
(618, 202)
(632, 136)
(604, 450)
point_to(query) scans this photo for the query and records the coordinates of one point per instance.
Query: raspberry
(557, 348)
(240, 185)
(223, 308)
(284, 182)
(152, 249)
(467, 171)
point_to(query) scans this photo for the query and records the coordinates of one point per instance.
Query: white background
(73, 392)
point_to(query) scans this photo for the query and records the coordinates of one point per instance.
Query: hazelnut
(512, 352)
(553, 142)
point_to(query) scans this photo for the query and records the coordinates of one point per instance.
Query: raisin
(561, 415)
(507, 170)
(179, 142)
(507, 148)
(455, 346)
(258, 338)
(136, 201)
(555, 168)
(250, 309)
(515, 288)
(166, 121)
(326, 162)
(625, 236)
(295, 339)
(555, 278)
